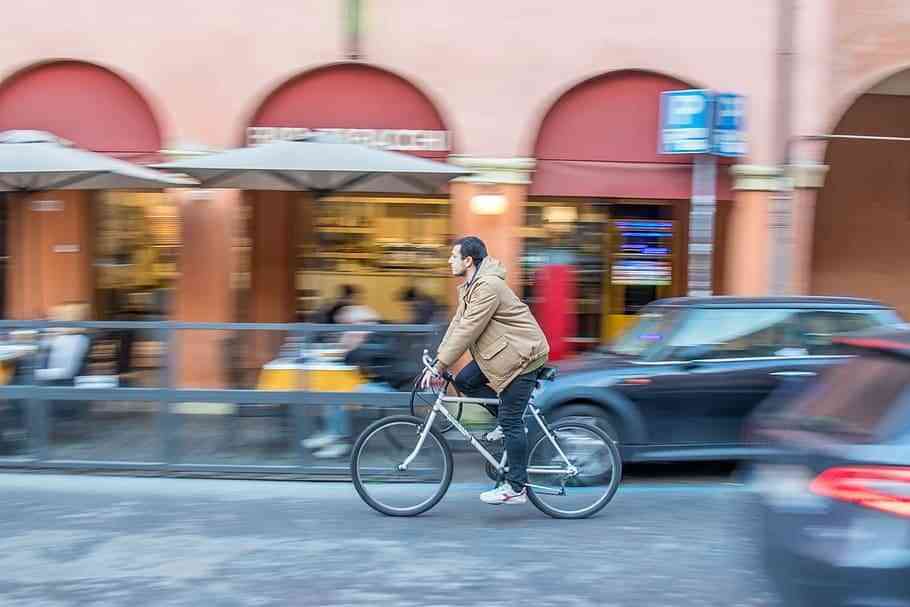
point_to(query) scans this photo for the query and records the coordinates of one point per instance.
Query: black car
(680, 383)
(835, 496)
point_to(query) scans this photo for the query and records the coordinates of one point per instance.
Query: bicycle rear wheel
(375, 466)
(558, 492)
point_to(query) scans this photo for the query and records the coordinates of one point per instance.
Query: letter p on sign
(682, 108)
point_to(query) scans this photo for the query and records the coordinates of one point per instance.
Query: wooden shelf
(385, 200)
(330, 255)
(344, 230)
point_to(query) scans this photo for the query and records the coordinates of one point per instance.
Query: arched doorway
(605, 199)
(860, 243)
(98, 248)
(301, 255)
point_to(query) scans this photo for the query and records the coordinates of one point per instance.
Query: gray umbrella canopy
(319, 163)
(35, 161)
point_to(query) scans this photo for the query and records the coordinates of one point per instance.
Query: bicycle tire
(442, 424)
(615, 462)
(358, 480)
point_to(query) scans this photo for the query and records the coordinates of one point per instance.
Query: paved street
(85, 540)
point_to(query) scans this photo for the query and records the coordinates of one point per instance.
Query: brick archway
(351, 96)
(87, 104)
(861, 219)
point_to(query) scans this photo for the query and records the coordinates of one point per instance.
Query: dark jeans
(471, 381)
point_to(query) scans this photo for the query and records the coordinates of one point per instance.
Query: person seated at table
(335, 440)
(389, 361)
(422, 307)
(348, 295)
(66, 348)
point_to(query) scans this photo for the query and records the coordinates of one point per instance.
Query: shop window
(382, 246)
(137, 243)
(621, 255)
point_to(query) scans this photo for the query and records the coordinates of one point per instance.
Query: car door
(719, 367)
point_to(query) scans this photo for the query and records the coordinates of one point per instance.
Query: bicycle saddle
(547, 373)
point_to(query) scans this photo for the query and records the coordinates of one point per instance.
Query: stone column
(272, 267)
(807, 180)
(203, 292)
(491, 205)
(749, 239)
(49, 240)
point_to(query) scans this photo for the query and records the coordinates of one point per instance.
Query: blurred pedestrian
(335, 440)
(348, 295)
(423, 309)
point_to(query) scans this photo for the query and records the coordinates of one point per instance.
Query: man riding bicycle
(508, 349)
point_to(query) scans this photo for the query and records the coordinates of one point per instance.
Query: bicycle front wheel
(377, 460)
(559, 491)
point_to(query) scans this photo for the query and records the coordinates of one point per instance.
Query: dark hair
(472, 247)
(408, 294)
(349, 290)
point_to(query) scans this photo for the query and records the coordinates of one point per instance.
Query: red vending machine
(554, 288)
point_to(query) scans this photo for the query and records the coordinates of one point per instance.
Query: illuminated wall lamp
(488, 204)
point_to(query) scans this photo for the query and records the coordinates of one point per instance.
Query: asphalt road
(93, 540)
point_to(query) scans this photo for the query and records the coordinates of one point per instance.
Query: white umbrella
(36, 161)
(318, 163)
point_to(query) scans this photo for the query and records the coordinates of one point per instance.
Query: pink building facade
(555, 107)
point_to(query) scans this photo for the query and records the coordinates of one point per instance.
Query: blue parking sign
(685, 121)
(729, 132)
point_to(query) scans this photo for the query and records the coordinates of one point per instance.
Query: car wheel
(589, 414)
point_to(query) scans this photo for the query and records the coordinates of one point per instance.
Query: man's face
(458, 263)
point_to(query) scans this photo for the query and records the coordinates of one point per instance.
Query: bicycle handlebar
(429, 364)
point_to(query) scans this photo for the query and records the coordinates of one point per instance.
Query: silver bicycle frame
(499, 466)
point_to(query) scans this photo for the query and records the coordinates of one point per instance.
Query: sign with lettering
(728, 136)
(47, 206)
(685, 122)
(399, 140)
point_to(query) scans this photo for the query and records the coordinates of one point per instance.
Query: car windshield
(648, 333)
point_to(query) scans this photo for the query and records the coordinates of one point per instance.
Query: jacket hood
(491, 267)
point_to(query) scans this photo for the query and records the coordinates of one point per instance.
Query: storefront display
(620, 252)
(382, 245)
(136, 250)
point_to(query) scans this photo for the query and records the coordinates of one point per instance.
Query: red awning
(93, 107)
(662, 181)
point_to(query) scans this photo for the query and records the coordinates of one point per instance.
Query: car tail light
(884, 488)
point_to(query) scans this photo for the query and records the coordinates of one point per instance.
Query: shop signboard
(685, 121)
(728, 135)
(399, 140)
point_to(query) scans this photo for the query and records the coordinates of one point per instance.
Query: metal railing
(170, 457)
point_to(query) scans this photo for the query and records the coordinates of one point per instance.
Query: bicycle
(574, 468)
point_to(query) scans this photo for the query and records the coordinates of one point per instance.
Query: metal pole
(853, 138)
(701, 225)
(780, 218)
(168, 420)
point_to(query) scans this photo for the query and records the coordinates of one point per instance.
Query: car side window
(736, 333)
(818, 327)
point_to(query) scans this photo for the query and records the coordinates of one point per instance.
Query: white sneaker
(323, 439)
(333, 451)
(504, 494)
(494, 435)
